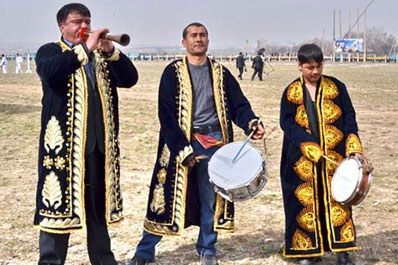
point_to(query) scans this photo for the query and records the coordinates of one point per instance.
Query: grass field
(259, 222)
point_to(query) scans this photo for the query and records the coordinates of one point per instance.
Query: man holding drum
(320, 129)
(79, 173)
(198, 101)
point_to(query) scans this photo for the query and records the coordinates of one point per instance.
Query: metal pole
(364, 37)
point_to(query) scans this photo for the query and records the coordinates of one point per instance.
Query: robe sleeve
(353, 143)
(297, 134)
(241, 112)
(123, 72)
(53, 65)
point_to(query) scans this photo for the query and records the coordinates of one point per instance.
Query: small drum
(351, 181)
(239, 180)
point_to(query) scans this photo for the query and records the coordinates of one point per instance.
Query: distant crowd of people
(18, 64)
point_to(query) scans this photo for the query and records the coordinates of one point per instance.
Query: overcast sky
(230, 22)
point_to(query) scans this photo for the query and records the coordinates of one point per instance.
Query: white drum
(239, 180)
(351, 181)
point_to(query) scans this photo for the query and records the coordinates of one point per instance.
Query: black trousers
(260, 74)
(54, 247)
(240, 72)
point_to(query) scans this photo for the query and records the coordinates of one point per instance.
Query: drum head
(241, 172)
(345, 179)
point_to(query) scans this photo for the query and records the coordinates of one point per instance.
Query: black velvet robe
(314, 221)
(60, 204)
(173, 199)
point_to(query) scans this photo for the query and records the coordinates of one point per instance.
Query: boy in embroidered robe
(317, 118)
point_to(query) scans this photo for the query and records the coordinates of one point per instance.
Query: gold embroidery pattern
(301, 241)
(81, 54)
(59, 163)
(295, 93)
(311, 150)
(158, 203)
(333, 136)
(330, 90)
(185, 97)
(73, 193)
(305, 194)
(53, 139)
(304, 169)
(112, 174)
(331, 112)
(219, 99)
(301, 117)
(353, 145)
(306, 219)
(51, 193)
(78, 144)
(347, 233)
(340, 214)
(336, 157)
(164, 157)
(48, 162)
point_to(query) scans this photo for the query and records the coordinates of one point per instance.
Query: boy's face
(312, 71)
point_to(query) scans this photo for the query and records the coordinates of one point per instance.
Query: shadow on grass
(229, 248)
(376, 248)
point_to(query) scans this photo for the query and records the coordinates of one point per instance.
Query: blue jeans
(207, 236)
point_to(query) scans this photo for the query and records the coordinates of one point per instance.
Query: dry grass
(259, 222)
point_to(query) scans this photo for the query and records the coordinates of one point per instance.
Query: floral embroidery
(353, 145)
(311, 150)
(340, 214)
(306, 219)
(304, 169)
(305, 194)
(295, 93)
(331, 111)
(333, 136)
(301, 241)
(347, 233)
(336, 157)
(330, 89)
(48, 162)
(301, 117)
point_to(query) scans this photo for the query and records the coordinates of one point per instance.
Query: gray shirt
(204, 110)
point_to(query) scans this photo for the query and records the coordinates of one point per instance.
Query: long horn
(122, 39)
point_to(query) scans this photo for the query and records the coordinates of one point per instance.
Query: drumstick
(243, 145)
(330, 160)
(245, 142)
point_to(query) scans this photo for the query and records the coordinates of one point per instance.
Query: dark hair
(70, 8)
(196, 24)
(309, 53)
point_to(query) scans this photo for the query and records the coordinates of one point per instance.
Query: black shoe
(343, 259)
(136, 260)
(310, 261)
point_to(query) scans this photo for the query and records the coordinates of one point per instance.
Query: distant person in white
(3, 63)
(18, 61)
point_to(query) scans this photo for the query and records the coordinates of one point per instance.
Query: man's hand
(95, 41)
(196, 159)
(258, 132)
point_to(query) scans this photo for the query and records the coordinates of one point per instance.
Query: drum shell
(250, 184)
(245, 192)
(362, 186)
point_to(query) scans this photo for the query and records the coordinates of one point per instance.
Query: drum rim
(248, 181)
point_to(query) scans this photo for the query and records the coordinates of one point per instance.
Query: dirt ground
(259, 222)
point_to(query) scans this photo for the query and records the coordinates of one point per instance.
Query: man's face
(72, 26)
(196, 42)
(312, 71)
